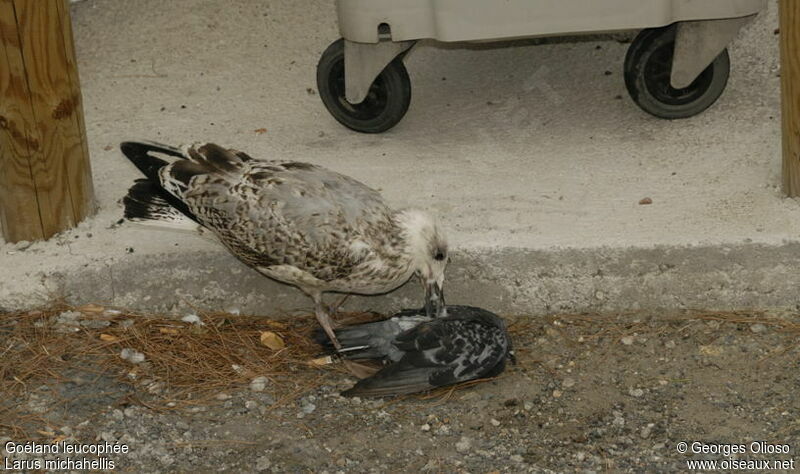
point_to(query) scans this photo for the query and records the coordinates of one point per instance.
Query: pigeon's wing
(438, 353)
(278, 212)
(373, 340)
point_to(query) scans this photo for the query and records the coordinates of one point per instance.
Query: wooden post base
(45, 177)
(790, 85)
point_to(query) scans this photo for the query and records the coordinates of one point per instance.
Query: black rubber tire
(648, 68)
(386, 104)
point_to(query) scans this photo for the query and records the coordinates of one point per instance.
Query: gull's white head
(426, 245)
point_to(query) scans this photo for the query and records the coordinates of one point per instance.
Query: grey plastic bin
(676, 67)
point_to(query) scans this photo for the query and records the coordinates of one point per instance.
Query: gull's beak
(434, 300)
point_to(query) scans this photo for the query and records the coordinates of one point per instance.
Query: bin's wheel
(385, 105)
(648, 69)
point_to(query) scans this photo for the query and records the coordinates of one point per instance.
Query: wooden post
(45, 178)
(790, 85)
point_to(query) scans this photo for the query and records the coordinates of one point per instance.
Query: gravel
(567, 406)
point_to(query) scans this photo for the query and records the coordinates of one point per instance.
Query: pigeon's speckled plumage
(295, 222)
(424, 353)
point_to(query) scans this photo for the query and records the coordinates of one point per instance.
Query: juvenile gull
(294, 222)
(424, 353)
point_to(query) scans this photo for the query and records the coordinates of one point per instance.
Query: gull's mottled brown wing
(279, 212)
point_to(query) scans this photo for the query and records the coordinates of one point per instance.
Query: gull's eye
(439, 256)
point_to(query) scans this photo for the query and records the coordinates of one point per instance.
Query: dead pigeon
(425, 353)
(295, 222)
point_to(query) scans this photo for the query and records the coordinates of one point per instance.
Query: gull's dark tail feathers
(147, 202)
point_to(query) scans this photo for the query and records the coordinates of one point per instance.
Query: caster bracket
(363, 62)
(698, 43)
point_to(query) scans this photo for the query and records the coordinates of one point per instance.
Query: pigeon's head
(427, 247)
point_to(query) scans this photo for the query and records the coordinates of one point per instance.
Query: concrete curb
(519, 281)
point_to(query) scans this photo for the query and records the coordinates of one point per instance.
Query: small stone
(670, 344)
(222, 396)
(528, 406)
(308, 408)
(117, 414)
(193, 319)
(68, 316)
(758, 327)
(250, 405)
(599, 295)
(568, 382)
(258, 384)
(442, 430)
(517, 458)
(463, 445)
(494, 422)
(263, 463)
(131, 355)
(557, 393)
(636, 392)
(580, 456)
(645, 201)
(22, 245)
(627, 340)
(647, 430)
(95, 323)
(430, 466)
(425, 427)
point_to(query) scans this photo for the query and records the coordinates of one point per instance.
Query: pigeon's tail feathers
(150, 157)
(394, 380)
(148, 204)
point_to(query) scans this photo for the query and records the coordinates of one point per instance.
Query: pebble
(442, 430)
(627, 340)
(494, 422)
(258, 384)
(22, 245)
(193, 319)
(263, 463)
(250, 405)
(528, 406)
(132, 355)
(517, 458)
(636, 392)
(463, 445)
(670, 344)
(557, 393)
(647, 430)
(425, 427)
(758, 327)
(568, 382)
